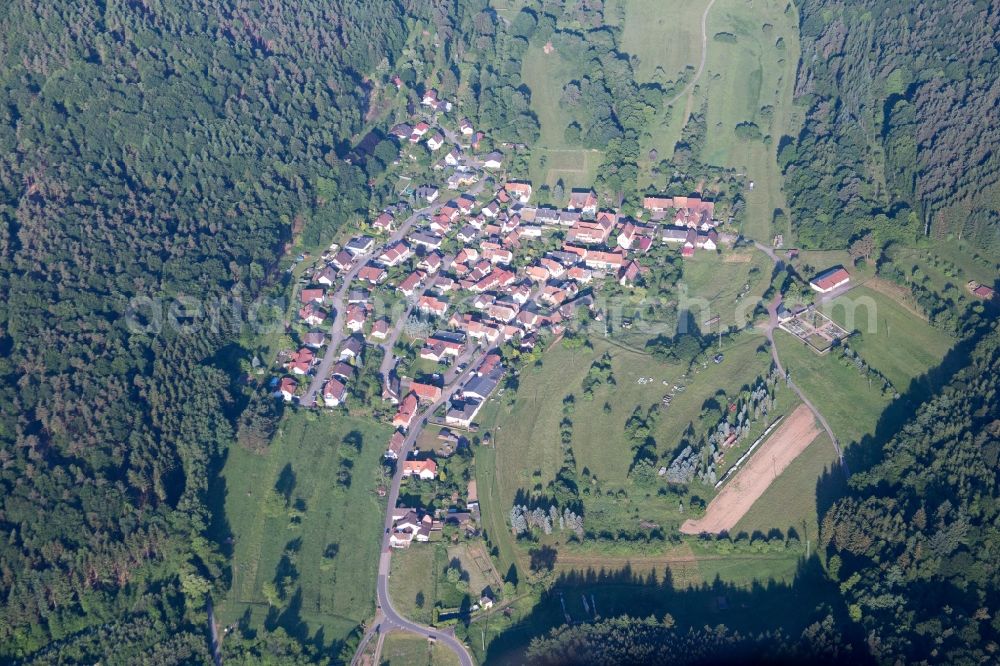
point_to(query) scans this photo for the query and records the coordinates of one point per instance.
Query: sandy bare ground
(749, 483)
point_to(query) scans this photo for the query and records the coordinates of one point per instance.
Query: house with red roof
(407, 410)
(425, 392)
(334, 393)
(431, 262)
(584, 201)
(286, 389)
(432, 305)
(830, 279)
(357, 315)
(627, 235)
(395, 254)
(423, 469)
(590, 233)
(380, 329)
(312, 295)
(384, 223)
(410, 283)
(301, 361)
(419, 130)
(519, 190)
(657, 204)
(981, 290)
(395, 445)
(580, 274)
(312, 315)
(372, 274)
(465, 203)
(604, 260)
(629, 273)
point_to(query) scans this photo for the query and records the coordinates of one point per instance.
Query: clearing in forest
(736, 497)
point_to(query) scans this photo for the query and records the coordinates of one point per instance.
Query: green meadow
(527, 453)
(305, 522)
(403, 649)
(551, 158)
(889, 337)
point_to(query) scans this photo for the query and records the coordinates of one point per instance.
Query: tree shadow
(285, 484)
(219, 529)
(868, 452)
(591, 595)
(354, 439)
(543, 558)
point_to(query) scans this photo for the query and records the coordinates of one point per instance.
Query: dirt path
(774, 455)
(701, 65)
(772, 311)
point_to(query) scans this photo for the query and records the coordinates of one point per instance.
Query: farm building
(830, 279)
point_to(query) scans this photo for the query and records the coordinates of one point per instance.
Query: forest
(914, 542)
(169, 153)
(889, 144)
(160, 150)
(653, 640)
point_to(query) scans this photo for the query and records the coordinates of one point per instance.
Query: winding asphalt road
(772, 312)
(390, 617)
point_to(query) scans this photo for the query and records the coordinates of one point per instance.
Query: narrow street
(338, 305)
(772, 312)
(389, 617)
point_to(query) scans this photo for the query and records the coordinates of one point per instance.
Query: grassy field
(576, 167)
(551, 158)
(764, 79)
(649, 22)
(732, 284)
(412, 574)
(418, 573)
(666, 37)
(526, 433)
(402, 649)
(748, 80)
(843, 396)
(952, 262)
(291, 526)
(790, 501)
(893, 340)
(704, 584)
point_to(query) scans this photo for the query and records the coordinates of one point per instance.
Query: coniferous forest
(901, 124)
(170, 151)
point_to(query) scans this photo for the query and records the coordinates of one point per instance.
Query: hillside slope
(148, 151)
